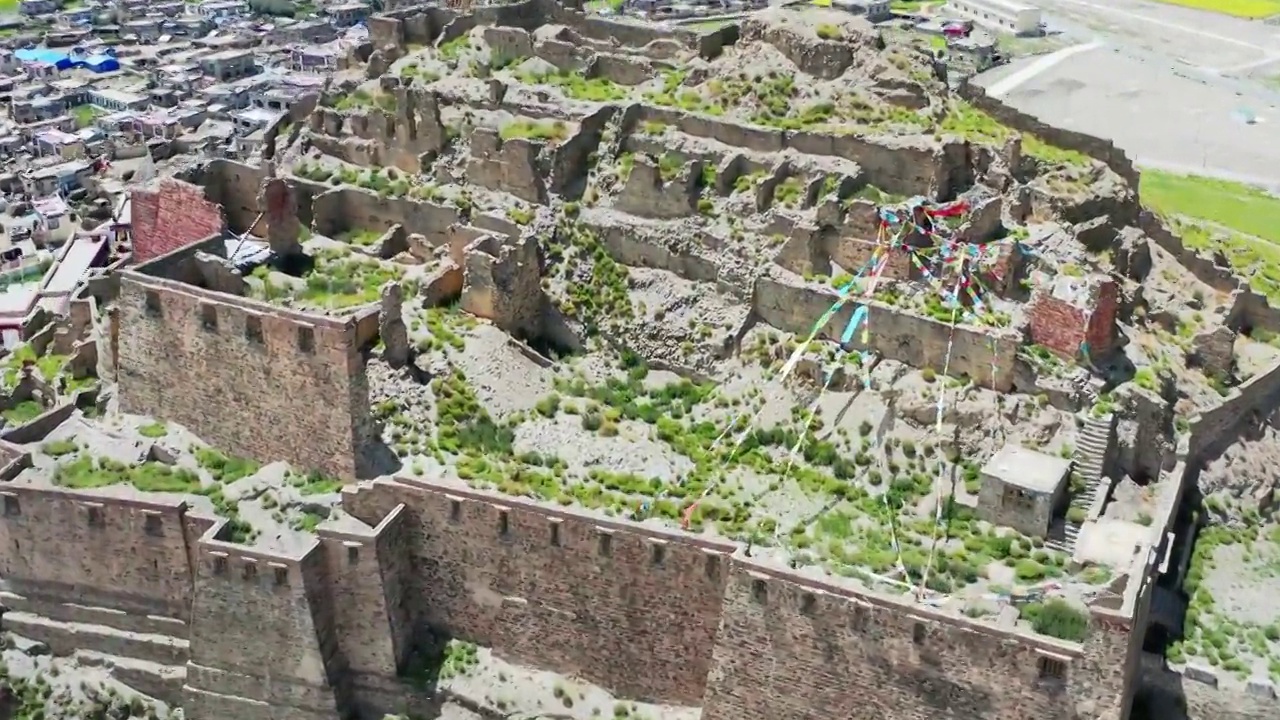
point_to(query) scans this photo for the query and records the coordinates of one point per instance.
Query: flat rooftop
(1029, 469)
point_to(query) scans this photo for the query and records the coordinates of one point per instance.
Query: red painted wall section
(1070, 311)
(172, 216)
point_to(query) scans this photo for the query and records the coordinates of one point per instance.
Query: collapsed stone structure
(330, 629)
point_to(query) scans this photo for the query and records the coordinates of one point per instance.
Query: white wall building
(1003, 15)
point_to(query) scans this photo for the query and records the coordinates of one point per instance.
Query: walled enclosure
(336, 623)
(229, 368)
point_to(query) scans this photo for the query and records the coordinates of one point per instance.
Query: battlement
(299, 382)
(119, 552)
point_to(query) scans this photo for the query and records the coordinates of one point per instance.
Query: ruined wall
(1073, 316)
(985, 355)
(404, 137)
(647, 194)
(513, 166)
(898, 166)
(343, 209)
(262, 644)
(60, 546)
(252, 379)
(555, 589)
(1103, 151)
(1248, 405)
(789, 646)
(232, 185)
(1249, 309)
(502, 282)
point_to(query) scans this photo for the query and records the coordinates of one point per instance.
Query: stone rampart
(263, 639)
(789, 645)
(329, 629)
(985, 355)
(369, 572)
(63, 546)
(510, 574)
(251, 378)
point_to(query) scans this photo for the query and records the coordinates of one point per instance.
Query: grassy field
(1238, 220)
(1235, 206)
(1252, 9)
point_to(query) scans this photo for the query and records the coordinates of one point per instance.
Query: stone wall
(512, 575)
(402, 138)
(898, 166)
(985, 355)
(1101, 150)
(369, 573)
(252, 379)
(513, 166)
(343, 209)
(61, 546)
(790, 645)
(1249, 310)
(648, 194)
(502, 283)
(328, 629)
(231, 185)
(263, 640)
(1249, 404)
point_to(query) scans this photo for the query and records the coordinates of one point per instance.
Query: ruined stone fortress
(182, 610)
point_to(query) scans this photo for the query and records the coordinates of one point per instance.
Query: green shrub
(1057, 618)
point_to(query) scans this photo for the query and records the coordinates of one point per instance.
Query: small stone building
(1023, 489)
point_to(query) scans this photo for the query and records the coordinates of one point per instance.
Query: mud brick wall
(63, 546)
(262, 644)
(560, 590)
(1064, 324)
(251, 379)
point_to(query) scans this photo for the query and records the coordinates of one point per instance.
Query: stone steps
(94, 615)
(66, 638)
(162, 682)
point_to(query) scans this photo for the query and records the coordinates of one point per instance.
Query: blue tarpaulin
(97, 63)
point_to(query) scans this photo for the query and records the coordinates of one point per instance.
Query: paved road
(1169, 85)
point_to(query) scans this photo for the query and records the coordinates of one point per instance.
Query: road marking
(1269, 60)
(1011, 81)
(1161, 23)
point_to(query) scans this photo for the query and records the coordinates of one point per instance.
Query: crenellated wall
(64, 546)
(512, 575)
(264, 641)
(252, 378)
(327, 630)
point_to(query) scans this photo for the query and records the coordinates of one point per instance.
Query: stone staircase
(1089, 464)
